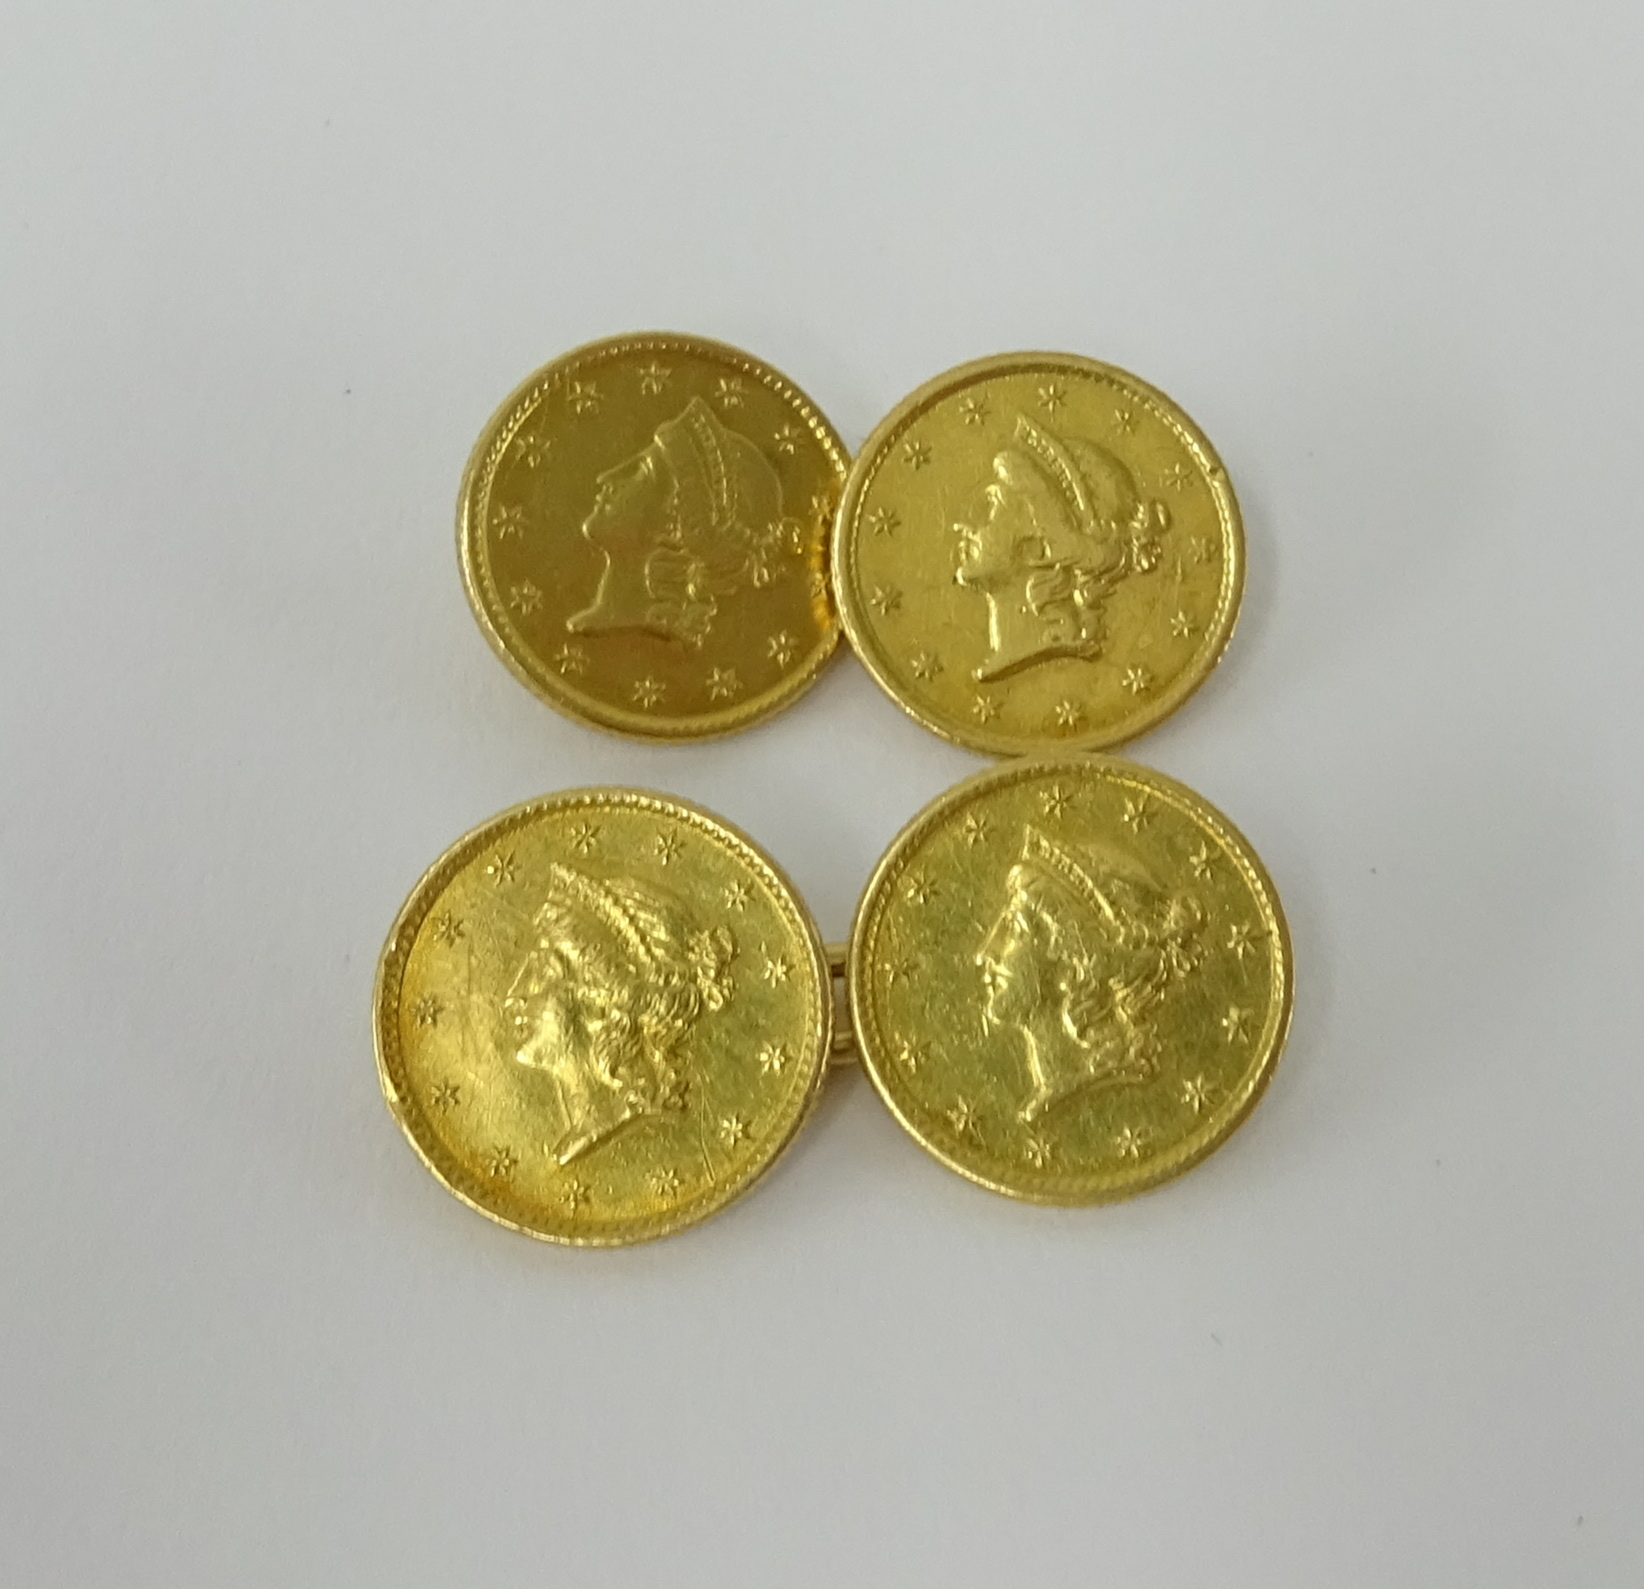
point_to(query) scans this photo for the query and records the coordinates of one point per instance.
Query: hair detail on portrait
(618, 975)
(1065, 523)
(686, 524)
(1084, 948)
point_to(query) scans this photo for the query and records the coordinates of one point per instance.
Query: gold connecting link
(844, 1037)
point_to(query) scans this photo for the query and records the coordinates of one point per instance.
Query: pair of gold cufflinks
(1032, 553)
(602, 1015)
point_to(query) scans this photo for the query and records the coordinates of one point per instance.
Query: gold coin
(643, 528)
(1070, 979)
(600, 1016)
(1038, 553)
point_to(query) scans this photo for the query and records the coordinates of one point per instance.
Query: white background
(265, 272)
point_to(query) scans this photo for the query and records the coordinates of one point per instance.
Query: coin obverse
(1070, 979)
(600, 1016)
(643, 532)
(1038, 553)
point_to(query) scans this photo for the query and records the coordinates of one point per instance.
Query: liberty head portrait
(617, 977)
(1064, 525)
(1082, 951)
(685, 524)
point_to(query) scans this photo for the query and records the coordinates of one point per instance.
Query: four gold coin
(1070, 979)
(643, 530)
(1036, 553)
(600, 1016)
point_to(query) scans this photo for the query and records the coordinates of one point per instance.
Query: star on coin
(575, 1193)
(1196, 1094)
(1181, 626)
(1241, 939)
(916, 454)
(773, 1059)
(652, 378)
(974, 409)
(1137, 812)
(1137, 679)
(667, 847)
(737, 895)
(1204, 549)
(884, 521)
(648, 691)
(1236, 1024)
(501, 1162)
(531, 450)
(926, 665)
(723, 684)
(921, 890)
(787, 439)
(984, 710)
(1052, 396)
(1037, 1152)
(911, 1056)
(1128, 1144)
(1178, 476)
(583, 396)
(974, 829)
(501, 868)
(730, 391)
(447, 929)
(570, 659)
(885, 599)
(525, 598)
(507, 520)
(1201, 862)
(776, 970)
(447, 1095)
(1069, 714)
(1124, 417)
(665, 1182)
(428, 1010)
(1055, 800)
(734, 1129)
(822, 505)
(902, 970)
(781, 648)
(583, 836)
(962, 1117)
